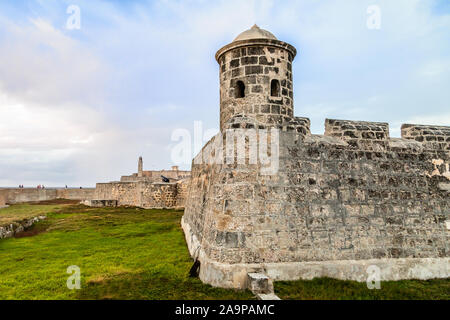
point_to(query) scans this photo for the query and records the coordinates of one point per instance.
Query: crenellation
(349, 130)
(431, 137)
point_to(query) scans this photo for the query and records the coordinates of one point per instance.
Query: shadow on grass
(332, 289)
(148, 286)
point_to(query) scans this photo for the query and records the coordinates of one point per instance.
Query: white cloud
(39, 63)
(79, 107)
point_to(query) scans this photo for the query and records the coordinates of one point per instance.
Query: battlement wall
(374, 136)
(362, 135)
(353, 194)
(349, 130)
(432, 137)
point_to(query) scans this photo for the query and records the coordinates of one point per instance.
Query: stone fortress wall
(143, 194)
(143, 189)
(339, 202)
(18, 195)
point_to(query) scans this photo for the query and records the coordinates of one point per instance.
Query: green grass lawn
(123, 253)
(331, 289)
(24, 211)
(130, 253)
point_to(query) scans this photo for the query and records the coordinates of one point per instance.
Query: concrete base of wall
(162, 208)
(235, 275)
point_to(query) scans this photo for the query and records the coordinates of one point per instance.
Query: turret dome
(255, 32)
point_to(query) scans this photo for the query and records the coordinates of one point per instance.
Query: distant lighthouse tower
(140, 167)
(256, 80)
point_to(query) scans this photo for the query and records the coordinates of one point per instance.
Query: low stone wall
(143, 194)
(18, 195)
(14, 228)
(75, 194)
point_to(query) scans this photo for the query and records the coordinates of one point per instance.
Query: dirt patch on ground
(55, 201)
(30, 232)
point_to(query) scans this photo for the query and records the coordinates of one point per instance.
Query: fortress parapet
(432, 137)
(349, 130)
(359, 134)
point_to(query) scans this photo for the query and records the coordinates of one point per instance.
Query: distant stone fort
(146, 189)
(156, 175)
(338, 203)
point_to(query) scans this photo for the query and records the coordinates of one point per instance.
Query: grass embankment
(123, 253)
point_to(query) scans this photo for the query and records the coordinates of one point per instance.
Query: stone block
(259, 283)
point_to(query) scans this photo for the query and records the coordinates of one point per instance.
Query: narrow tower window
(275, 88)
(240, 89)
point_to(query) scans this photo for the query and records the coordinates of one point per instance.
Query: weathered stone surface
(432, 137)
(143, 194)
(336, 203)
(444, 186)
(235, 275)
(267, 61)
(258, 283)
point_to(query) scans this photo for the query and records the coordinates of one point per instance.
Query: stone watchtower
(256, 80)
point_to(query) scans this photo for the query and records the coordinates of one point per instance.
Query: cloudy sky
(78, 106)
